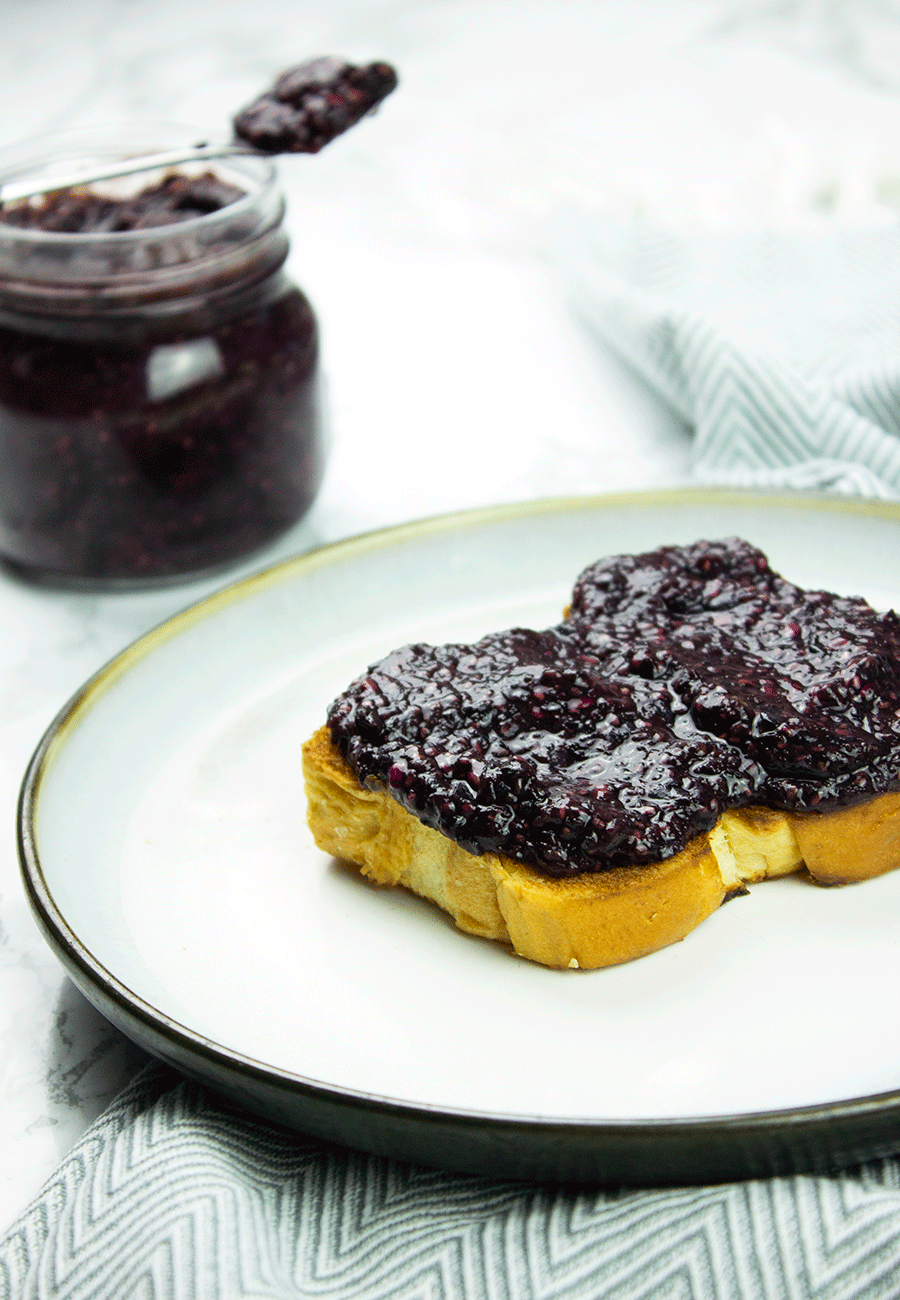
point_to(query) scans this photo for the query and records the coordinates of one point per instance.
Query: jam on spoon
(310, 105)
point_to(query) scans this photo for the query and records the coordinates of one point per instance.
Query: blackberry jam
(683, 682)
(158, 375)
(310, 105)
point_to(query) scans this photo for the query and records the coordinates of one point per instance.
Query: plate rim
(811, 1138)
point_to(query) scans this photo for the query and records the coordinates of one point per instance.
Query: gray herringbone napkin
(174, 1193)
(780, 349)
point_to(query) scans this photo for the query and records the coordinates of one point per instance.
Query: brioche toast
(745, 715)
(597, 919)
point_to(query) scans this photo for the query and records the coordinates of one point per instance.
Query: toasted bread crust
(852, 844)
(588, 920)
(597, 919)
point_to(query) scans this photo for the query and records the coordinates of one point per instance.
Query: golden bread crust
(852, 844)
(606, 918)
(588, 921)
(597, 919)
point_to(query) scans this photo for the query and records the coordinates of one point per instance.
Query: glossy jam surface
(683, 681)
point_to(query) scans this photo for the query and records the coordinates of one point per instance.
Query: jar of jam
(159, 411)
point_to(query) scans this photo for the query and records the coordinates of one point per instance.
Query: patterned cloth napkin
(174, 1193)
(780, 349)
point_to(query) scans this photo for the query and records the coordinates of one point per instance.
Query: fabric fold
(780, 350)
(177, 1193)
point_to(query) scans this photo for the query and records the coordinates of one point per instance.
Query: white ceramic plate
(166, 855)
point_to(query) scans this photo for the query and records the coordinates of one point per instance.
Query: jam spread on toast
(682, 682)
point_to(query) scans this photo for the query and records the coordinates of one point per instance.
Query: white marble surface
(456, 375)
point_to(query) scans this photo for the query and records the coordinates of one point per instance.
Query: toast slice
(598, 918)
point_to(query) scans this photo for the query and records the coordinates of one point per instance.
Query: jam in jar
(159, 409)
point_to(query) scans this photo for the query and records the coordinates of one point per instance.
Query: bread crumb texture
(595, 919)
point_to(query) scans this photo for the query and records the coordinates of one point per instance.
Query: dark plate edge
(815, 1139)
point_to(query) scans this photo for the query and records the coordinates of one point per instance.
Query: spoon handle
(29, 188)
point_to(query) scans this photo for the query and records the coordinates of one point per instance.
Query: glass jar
(159, 410)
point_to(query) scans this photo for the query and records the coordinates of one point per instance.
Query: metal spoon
(297, 116)
(15, 190)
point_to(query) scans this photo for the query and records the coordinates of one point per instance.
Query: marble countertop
(456, 374)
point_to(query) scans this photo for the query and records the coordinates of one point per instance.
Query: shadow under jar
(159, 411)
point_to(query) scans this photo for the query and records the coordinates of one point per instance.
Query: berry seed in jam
(683, 682)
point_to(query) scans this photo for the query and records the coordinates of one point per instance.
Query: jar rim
(117, 263)
(103, 143)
